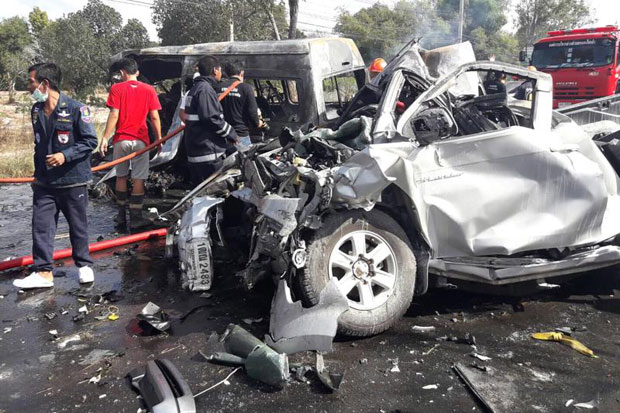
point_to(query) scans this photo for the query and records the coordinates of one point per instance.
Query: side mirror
(432, 124)
(522, 56)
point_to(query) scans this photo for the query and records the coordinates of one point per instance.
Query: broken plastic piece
(154, 316)
(261, 362)
(331, 380)
(430, 387)
(163, 388)
(567, 341)
(293, 328)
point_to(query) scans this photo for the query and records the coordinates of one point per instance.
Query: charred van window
(338, 92)
(274, 95)
(276, 91)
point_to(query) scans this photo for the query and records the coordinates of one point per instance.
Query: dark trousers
(47, 204)
(202, 170)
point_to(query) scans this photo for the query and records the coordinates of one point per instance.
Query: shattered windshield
(574, 53)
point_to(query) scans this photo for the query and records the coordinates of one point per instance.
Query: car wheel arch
(396, 203)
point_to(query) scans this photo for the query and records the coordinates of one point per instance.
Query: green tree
(380, 30)
(70, 43)
(132, 36)
(210, 20)
(15, 52)
(38, 20)
(483, 22)
(501, 45)
(82, 43)
(536, 17)
(490, 15)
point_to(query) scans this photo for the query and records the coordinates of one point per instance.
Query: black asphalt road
(40, 374)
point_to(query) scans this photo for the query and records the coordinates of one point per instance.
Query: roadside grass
(16, 135)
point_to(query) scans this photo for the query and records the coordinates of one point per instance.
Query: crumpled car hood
(492, 195)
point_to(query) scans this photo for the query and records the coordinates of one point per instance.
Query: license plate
(202, 274)
(562, 104)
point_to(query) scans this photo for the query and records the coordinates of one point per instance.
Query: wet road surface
(40, 373)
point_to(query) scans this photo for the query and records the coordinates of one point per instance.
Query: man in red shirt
(130, 102)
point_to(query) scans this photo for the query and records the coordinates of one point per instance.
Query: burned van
(297, 82)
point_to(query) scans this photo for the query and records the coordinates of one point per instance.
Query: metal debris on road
(331, 380)
(423, 329)
(480, 357)
(589, 405)
(154, 316)
(472, 380)
(395, 368)
(430, 350)
(70, 339)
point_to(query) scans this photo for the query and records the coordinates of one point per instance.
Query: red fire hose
(96, 246)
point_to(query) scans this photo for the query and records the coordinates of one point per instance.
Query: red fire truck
(584, 63)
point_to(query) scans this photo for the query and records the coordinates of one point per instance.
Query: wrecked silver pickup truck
(423, 175)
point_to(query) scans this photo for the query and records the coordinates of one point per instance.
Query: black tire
(315, 275)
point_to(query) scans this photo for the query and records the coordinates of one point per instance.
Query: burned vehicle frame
(298, 82)
(443, 179)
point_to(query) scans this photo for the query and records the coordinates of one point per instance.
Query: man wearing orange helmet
(376, 67)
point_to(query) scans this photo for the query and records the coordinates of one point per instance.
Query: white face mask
(39, 96)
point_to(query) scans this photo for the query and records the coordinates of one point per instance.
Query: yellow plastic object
(113, 317)
(567, 341)
(297, 161)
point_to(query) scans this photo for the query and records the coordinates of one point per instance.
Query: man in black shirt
(240, 109)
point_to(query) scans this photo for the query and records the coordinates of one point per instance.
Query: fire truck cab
(584, 63)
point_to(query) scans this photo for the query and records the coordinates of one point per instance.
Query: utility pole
(461, 20)
(231, 23)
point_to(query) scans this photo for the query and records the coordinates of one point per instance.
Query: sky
(315, 15)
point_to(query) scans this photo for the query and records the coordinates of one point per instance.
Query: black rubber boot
(121, 200)
(136, 220)
(121, 218)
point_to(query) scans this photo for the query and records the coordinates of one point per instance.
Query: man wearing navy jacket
(208, 137)
(64, 137)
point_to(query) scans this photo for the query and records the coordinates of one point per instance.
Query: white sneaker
(86, 275)
(34, 280)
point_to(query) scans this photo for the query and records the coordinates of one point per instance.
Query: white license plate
(202, 265)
